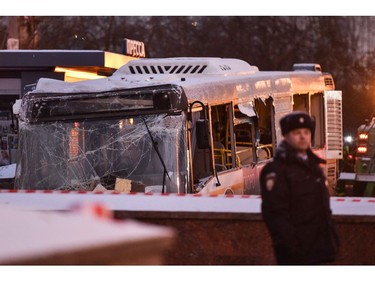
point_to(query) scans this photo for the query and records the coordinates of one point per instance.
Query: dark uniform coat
(296, 208)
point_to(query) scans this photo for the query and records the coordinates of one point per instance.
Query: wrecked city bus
(174, 125)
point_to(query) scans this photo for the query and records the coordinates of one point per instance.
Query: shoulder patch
(270, 180)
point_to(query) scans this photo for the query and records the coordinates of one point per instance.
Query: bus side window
(317, 111)
(313, 103)
(202, 166)
(243, 130)
(220, 134)
(265, 130)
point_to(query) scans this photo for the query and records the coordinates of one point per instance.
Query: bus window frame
(318, 108)
(269, 101)
(252, 122)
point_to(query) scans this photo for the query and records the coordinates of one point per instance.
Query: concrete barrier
(242, 238)
(214, 230)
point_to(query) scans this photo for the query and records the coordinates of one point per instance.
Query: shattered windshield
(126, 154)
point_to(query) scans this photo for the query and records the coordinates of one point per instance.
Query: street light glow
(349, 139)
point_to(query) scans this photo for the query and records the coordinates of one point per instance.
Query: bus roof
(204, 79)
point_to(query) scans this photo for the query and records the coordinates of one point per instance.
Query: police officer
(295, 199)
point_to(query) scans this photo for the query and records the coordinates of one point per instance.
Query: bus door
(213, 159)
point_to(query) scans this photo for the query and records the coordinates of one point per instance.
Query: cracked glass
(81, 154)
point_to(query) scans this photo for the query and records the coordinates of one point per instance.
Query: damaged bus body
(176, 125)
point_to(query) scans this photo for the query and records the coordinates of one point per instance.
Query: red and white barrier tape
(164, 202)
(112, 192)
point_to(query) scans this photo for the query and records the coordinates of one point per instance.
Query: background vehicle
(360, 181)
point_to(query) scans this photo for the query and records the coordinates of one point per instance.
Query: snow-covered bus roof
(201, 78)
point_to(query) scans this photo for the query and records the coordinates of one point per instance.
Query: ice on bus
(175, 125)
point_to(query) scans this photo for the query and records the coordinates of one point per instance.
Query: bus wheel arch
(228, 191)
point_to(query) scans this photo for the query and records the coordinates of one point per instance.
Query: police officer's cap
(297, 120)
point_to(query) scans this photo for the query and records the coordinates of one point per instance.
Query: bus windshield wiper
(155, 146)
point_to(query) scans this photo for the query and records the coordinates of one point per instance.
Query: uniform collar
(287, 153)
